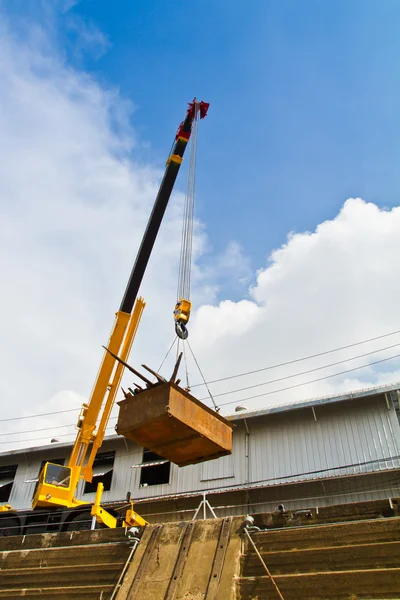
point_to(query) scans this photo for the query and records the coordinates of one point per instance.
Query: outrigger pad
(170, 422)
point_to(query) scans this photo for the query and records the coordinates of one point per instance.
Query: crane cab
(55, 481)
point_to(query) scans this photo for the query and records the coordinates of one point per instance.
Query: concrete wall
(196, 561)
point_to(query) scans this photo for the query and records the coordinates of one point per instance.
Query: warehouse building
(312, 453)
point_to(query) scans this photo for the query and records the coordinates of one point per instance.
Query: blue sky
(304, 115)
(304, 103)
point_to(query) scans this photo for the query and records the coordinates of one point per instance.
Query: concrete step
(64, 576)
(92, 592)
(329, 558)
(53, 557)
(358, 510)
(68, 538)
(338, 585)
(332, 514)
(338, 534)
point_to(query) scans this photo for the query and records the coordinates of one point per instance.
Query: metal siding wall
(123, 478)
(28, 468)
(220, 468)
(310, 494)
(280, 444)
(345, 433)
(21, 493)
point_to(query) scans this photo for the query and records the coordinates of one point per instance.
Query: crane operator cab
(53, 479)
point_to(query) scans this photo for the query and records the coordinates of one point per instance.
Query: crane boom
(172, 167)
(57, 484)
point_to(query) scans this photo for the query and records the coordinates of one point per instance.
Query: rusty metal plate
(169, 421)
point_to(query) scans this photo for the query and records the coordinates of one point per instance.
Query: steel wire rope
(166, 356)
(37, 430)
(287, 478)
(255, 484)
(271, 578)
(216, 408)
(183, 289)
(343, 479)
(222, 404)
(360, 489)
(296, 360)
(269, 501)
(290, 387)
(223, 378)
(220, 507)
(44, 429)
(55, 412)
(72, 434)
(339, 362)
(186, 368)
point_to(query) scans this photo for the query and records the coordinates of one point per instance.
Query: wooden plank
(135, 587)
(180, 562)
(219, 559)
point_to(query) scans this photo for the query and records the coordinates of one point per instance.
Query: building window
(55, 461)
(154, 474)
(7, 475)
(102, 472)
(396, 402)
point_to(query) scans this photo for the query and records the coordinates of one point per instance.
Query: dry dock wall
(198, 560)
(341, 553)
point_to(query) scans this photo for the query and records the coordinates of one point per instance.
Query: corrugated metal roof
(357, 394)
(248, 414)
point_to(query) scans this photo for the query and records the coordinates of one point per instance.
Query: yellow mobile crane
(57, 484)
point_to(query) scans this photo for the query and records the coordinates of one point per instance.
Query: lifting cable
(186, 368)
(166, 356)
(263, 564)
(216, 408)
(183, 304)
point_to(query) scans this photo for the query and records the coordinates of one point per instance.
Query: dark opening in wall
(55, 461)
(7, 475)
(396, 402)
(102, 472)
(157, 474)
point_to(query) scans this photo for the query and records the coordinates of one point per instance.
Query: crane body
(57, 484)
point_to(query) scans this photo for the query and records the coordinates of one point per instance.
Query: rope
(166, 356)
(187, 227)
(186, 367)
(216, 408)
(264, 565)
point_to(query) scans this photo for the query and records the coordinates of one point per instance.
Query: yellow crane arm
(57, 484)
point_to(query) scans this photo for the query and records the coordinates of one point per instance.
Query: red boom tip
(201, 106)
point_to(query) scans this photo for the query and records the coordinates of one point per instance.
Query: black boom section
(157, 214)
(160, 205)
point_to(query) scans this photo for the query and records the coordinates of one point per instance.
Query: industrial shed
(312, 453)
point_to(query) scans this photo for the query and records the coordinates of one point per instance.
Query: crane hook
(181, 317)
(181, 330)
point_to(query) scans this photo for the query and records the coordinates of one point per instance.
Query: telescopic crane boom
(57, 484)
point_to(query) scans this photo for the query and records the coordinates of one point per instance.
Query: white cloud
(73, 208)
(86, 37)
(74, 205)
(319, 291)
